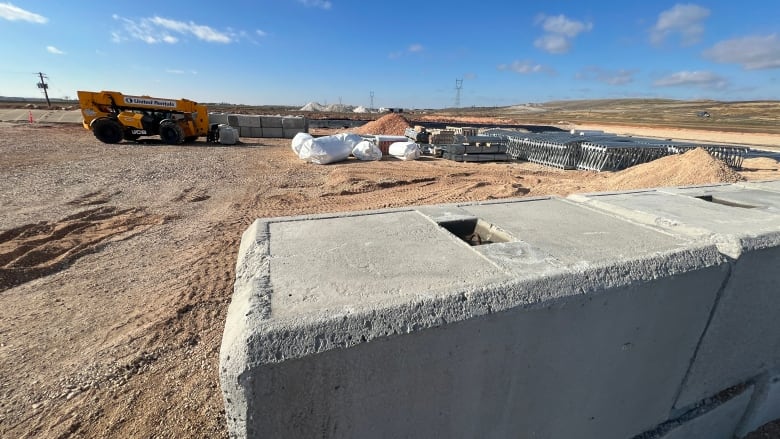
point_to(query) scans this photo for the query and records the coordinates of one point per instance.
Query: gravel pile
(391, 125)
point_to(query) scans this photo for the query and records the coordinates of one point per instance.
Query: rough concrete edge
(762, 384)
(252, 274)
(322, 330)
(734, 396)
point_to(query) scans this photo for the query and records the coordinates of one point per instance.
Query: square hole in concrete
(715, 200)
(474, 231)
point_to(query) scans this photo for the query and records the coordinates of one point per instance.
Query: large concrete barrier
(593, 317)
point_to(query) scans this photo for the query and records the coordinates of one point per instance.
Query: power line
(372, 100)
(44, 86)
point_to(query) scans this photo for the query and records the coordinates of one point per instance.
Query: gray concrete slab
(255, 132)
(272, 122)
(218, 118)
(294, 123)
(764, 408)
(742, 340)
(718, 423)
(387, 324)
(274, 133)
(252, 121)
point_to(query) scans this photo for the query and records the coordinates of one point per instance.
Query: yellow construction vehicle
(113, 116)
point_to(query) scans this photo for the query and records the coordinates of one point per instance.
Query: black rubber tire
(107, 130)
(171, 133)
(190, 139)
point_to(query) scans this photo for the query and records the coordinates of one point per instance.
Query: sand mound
(693, 167)
(392, 124)
(312, 106)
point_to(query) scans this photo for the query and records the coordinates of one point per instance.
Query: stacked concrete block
(272, 126)
(262, 126)
(294, 125)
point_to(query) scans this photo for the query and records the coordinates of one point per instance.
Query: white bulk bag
(226, 134)
(297, 142)
(328, 149)
(367, 150)
(404, 150)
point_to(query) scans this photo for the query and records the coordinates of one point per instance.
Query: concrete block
(218, 118)
(245, 131)
(389, 324)
(233, 120)
(272, 122)
(745, 225)
(246, 120)
(294, 123)
(290, 133)
(717, 423)
(277, 133)
(764, 408)
(255, 132)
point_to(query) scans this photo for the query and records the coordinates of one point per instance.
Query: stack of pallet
(476, 149)
(464, 131)
(442, 137)
(417, 135)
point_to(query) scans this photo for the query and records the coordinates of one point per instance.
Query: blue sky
(408, 53)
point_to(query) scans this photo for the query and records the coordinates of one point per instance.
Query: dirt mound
(35, 250)
(693, 167)
(392, 125)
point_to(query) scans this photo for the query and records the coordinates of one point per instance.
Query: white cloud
(261, 33)
(611, 77)
(14, 13)
(200, 31)
(553, 43)
(687, 20)
(416, 48)
(525, 67)
(562, 25)
(752, 52)
(559, 31)
(699, 78)
(54, 50)
(322, 4)
(157, 30)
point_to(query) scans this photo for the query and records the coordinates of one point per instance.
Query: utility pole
(458, 87)
(372, 100)
(43, 85)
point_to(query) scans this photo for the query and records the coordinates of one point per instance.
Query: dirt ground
(117, 263)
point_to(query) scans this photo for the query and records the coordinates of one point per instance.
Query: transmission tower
(372, 100)
(44, 86)
(458, 88)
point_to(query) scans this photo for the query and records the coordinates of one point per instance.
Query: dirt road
(117, 263)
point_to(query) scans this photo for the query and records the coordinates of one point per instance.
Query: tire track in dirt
(35, 250)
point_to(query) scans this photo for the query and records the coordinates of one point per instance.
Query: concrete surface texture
(743, 337)
(765, 405)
